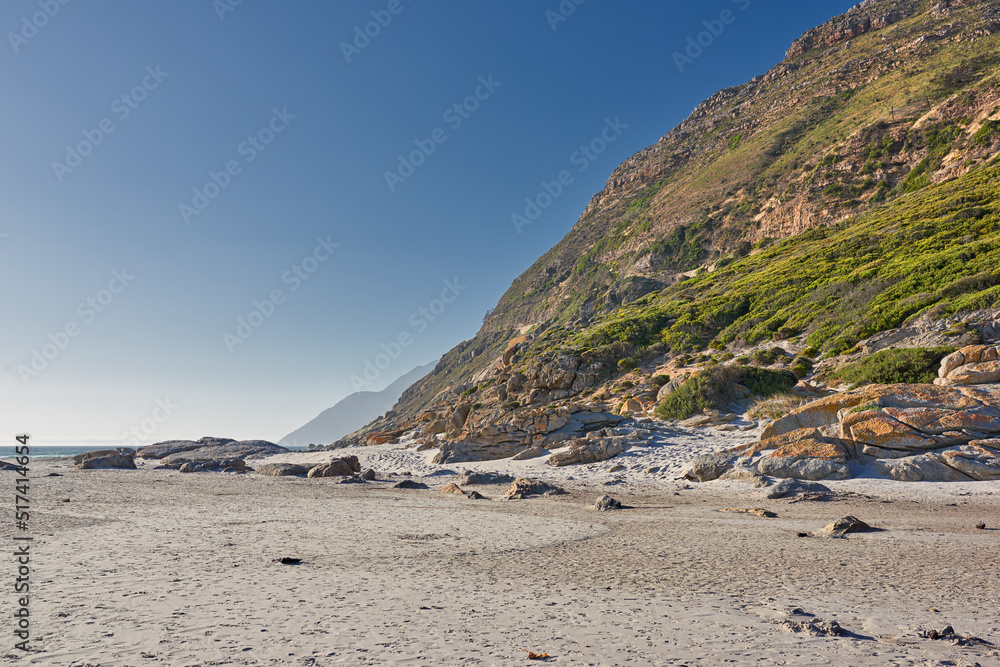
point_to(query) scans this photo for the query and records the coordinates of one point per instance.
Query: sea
(59, 451)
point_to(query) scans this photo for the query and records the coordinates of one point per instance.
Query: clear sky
(172, 169)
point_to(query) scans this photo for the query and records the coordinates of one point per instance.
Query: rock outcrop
(525, 488)
(208, 451)
(281, 469)
(501, 434)
(584, 450)
(122, 458)
(342, 467)
(238, 466)
(948, 431)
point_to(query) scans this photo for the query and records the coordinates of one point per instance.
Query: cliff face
(866, 110)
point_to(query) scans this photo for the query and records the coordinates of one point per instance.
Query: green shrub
(626, 364)
(911, 365)
(659, 380)
(717, 387)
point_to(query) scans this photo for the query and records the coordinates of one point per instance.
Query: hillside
(352, 412)
(848, 191)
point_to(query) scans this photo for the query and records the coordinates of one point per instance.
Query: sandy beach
(156, 567)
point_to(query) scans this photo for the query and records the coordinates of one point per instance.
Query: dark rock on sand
(122, 458)
(166, 448)
(223, 465)
(281, 469)
(607, 503)
(524, 488)
(790, 488)
(848, 524)
(409, 484)
(234, 450)
(475, 477)
(334, 468)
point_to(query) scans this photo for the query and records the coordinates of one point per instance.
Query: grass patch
(718, 387)
(913, 365)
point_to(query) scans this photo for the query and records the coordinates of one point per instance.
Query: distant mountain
(352, 412)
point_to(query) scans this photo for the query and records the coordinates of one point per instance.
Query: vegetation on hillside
(913, 365)
(719, 387)
(931, 252)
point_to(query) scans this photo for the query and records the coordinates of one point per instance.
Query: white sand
(157, 567)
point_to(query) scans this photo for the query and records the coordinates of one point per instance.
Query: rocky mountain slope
(842, 203)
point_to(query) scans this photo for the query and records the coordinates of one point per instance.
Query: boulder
(975, 364)
(810, 469)
(214, 442)
(368, 475)
(243, 449)
(160, 450)
(475, 477)
(790, 488)
(453, 488)
(606, 504)
(920, 468)
(584, 450)
(409, 484)
(522, 488)
(334, 468)
(670, 388)
(977, 461)
(216, 465)
(281, 469)
(121, 458)
(529, 453)
(706, 467)
(841, 527)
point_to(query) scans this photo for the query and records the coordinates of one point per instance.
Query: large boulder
(975, 364)
(160, 450)
(706, 467)
(525, 488)
(281, 469)
(243, 449)
(590, 451)
(121, 458)
(476, 477)
(334, 468)
(215, 465)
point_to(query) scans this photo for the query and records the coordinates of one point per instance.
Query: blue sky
(170, 169)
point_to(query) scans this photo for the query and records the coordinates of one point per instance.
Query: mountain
(849, 191)
(352, 412)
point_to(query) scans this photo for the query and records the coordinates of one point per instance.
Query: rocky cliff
(848, 191)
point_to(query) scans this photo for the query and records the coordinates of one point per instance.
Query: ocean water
(51, 452)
